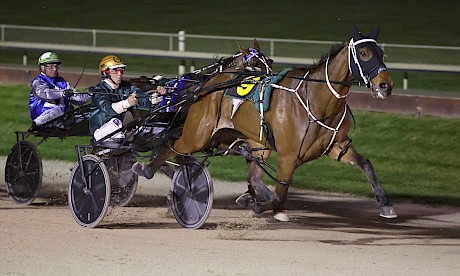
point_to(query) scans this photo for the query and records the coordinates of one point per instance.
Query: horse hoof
(281, 216)
(387, 212)
(257, 208)
(244, 200)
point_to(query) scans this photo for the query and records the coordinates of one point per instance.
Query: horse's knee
(345, 153)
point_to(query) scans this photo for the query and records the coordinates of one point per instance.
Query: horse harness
(366, 72)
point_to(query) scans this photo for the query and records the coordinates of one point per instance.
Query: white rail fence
(183, 46)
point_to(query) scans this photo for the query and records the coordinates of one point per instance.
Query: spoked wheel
(122, 179)
(23, 173)
(89, 191)
(192, 194)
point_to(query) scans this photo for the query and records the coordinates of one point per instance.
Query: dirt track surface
(328, 235)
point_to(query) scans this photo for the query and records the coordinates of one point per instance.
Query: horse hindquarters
(351, 156)
(194, 136)
(199, 125)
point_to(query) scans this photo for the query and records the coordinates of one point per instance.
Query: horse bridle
(254, 53)
(356, 67)
(365, 70)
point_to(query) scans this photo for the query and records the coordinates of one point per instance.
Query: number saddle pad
(259, 91)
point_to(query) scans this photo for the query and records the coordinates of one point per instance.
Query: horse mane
(335, 49)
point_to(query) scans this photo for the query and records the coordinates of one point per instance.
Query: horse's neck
(335, 71)
(338, 71)
(330, 98)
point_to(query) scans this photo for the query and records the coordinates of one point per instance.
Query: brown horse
(222, 74)
(308, 118)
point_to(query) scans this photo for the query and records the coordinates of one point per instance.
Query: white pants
(48, 115)
(111, 126)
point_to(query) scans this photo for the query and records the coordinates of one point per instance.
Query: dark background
(424, 22)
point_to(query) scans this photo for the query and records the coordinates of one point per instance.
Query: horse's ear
(375, 33)
(355, 33)
(256, 45)
(243, 50)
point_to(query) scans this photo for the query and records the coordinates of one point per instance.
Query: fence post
(406, 80)
(94, 37)
(24, 59)
(181, 40)
(272, 47)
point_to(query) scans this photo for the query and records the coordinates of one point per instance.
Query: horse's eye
(365, 53)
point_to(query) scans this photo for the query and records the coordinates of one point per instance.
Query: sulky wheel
(23, 173)
(192, 194)
(122, 179)
(89, 191)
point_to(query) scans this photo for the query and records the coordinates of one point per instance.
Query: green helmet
(48, 57)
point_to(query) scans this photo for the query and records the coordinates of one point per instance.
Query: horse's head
(365, 59)
(252, 59)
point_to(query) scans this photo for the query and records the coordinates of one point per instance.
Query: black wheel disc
(123, 181)
(89, 191)
(23, 173)
(192, 195)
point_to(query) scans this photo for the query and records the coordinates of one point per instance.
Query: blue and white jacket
(46, 93)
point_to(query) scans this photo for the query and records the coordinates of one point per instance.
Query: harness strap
(261, 108)
(306, 106)
(260, 163)
(335, 93)
(343, 150)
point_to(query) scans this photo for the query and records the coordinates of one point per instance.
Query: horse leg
(285, 171)
(167, 170)
(256, 185)
(351, 156)
(248, 198)
(157, 162)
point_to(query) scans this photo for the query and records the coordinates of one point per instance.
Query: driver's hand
(132, 100)
(161, 90)
(68, 92)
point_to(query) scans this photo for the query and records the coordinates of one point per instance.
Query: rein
(219, 86)
(82, 70)
(249, 71)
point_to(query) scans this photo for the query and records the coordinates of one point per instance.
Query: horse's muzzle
(384, 86)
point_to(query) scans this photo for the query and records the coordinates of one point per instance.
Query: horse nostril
(385, 86)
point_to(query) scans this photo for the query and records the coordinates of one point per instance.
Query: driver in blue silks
(51, 95)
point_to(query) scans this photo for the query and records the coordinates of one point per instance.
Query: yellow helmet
(111, 62)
